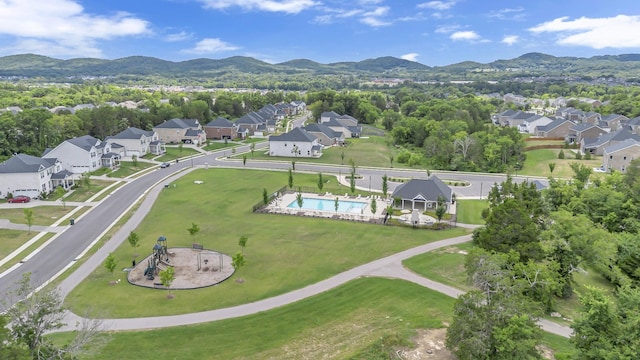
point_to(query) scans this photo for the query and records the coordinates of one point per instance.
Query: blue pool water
(329, 205)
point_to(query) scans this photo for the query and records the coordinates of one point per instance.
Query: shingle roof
(296, 134)
(61, 175)
(192, 132)
(323, 129)
(620, 135)
(84, 142)
(23, 163)
(429, 189)
(552, 125)
(178, 124)
(621, 145)
(220, 123)
(132, 133)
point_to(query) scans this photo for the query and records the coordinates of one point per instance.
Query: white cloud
(447, 29)
(438, 5)
(510, 39)
(613, 32)
(62, 28)
(286, 6)
(210, 46)
(181, 36)
(410, 56)
(465, 36)
(373, 18)
(508, 14)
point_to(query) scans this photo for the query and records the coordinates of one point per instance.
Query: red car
(19, 199)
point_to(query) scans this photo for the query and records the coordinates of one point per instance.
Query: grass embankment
(220, 145)
(470, 211)
(446, 265)
(346, 322)
(537, 163)
(42, 215)
(283, 252)
(374, 152)
(10, 242)
(127, 168)
(173, 152)
(83, 193)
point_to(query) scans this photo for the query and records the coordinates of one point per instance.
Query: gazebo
(422, 194)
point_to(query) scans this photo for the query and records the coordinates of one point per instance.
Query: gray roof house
(295, 143)
(619, 156)
(596, 145)
(422, 191)
(326, 136)
(188, 131)
(28, 175)
(137, 142)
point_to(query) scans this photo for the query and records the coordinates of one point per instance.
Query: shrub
(578, 155)
(403, 157)
(561, 154)
(587, 156)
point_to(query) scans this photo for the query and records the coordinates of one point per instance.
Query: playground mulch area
(193, 269)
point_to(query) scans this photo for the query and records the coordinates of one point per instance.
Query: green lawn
(342, 323)
(9, 238)
(445, 265)
(42, 215)
(537, 163)
(12, 239)
(126, 168)
(470, 211)
(173, 152)
(219, 145)
(82, 193)
(373, 151)
(283, 252)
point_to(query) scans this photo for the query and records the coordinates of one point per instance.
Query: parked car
(19, 199)
(599, 169)
(164, 165)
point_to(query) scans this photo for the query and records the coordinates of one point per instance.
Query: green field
(343, 323)
(42, 215)
(10, 240)
(173, 152)
(470, 211)
(126, 168)
(219, 145)
(83, 193)
(373, 152)
(283, 253)
(537, 163)
(445, 265)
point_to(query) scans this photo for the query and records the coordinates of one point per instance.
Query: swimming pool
(344, 206)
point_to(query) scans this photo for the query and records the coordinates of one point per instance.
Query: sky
(433, 33)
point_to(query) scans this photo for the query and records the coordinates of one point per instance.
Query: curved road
(63, 252)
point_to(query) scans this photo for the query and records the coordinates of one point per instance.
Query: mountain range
(532, 64)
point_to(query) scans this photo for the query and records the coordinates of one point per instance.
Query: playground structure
(159, 260)
(195, 267)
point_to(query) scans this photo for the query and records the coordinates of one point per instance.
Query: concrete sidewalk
(6, 224)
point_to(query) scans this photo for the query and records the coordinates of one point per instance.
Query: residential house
(632, 125)
(221, 128)
(612, 121)
(346, 124)
(252, 123)
(326, 136)
(583, 130)
(503, 117)
(174, 131)
(84, 154)
(530, 124)
(327, 115)
(298, 107)
(137, 142)
(32, 176)
(618, 156)
(558, 128)
(422, 194)
(295, 143)
(595, 146)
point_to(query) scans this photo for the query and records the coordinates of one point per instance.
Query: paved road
(70, 244)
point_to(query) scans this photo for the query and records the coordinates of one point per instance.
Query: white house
(31, 176)
(295, 143)
(84, 154)
(137, 142)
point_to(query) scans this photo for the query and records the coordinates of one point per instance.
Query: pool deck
(280, 204)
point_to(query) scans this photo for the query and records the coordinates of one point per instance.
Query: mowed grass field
(344, 323)
(283, 252)
(373, 151)
(470, 211)
(42, 215)
(537, 163)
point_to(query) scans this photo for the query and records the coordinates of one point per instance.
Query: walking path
(390, 266)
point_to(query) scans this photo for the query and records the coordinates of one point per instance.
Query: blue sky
(430, 32)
